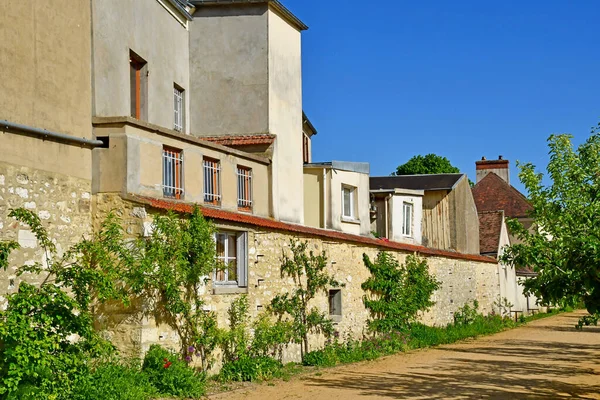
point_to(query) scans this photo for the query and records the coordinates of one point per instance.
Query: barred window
(244, 188)
(172, 173)
(178, 109)
(212, 181)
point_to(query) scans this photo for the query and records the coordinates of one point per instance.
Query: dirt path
(547, 359)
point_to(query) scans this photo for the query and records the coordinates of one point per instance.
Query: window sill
(229, 290)
(351, 220)
(335, 318)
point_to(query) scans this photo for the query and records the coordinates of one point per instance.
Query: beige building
(165, 104)
(448, 217)
(336, 196)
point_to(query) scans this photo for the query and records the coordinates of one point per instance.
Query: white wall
(396, 212)
(285, 118)
(361, 226)
(155, 35)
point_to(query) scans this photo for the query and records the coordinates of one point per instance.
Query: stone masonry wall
(62, 203)
(462, 282)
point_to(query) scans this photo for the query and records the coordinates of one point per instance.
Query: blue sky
(386, 80)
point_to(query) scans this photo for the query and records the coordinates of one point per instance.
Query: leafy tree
(428, 164)
(173, 265)
(309, 273)
(39, 357)
(397, 293)
(564, 246)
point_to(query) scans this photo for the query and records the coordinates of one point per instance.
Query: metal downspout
(44, 134)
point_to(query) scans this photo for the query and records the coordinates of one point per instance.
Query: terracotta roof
(492, 193)
(240, 140)
(490, 229)
(526, 272)
(253, 220)
(416, 182)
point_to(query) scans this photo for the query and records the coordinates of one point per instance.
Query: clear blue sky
(388, 79)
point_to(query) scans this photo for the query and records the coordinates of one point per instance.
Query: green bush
(170, 375)
(249, 369)
(466, 314)
(114, 381)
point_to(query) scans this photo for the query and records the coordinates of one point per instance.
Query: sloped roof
(490, 229)
(416, 182)
(492, 193)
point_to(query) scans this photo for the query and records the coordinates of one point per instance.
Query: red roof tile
(241, 140)
(268, 223)
(490, 229)
(492, 193)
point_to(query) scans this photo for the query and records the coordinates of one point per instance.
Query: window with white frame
(244, 188)
(348, 202)
(172, 163)
(212, 181)
(232, 258)
(178, 108)
(407, 219)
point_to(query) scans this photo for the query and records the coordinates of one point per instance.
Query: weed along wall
(463, 278)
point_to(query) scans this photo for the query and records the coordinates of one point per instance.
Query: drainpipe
(324, 198)
(44, 134)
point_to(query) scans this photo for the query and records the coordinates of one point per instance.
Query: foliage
(236, 341)
(428, 164)
(467, 314)
(563, 248)
(270, 337)
(503, 306)
(249, 369)
(5, 249)
(309, 274)
(397, 293)
(114, 381)
(170, 375)
(46, 334)
(174, 264)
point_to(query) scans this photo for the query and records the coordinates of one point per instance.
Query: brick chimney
(499, 167)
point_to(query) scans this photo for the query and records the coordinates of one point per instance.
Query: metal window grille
(178, 109)
(244, 188)
(407, 209)
(212, 181)
(172, 173)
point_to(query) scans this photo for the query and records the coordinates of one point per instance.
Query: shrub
(466, 314)
(326, 357)
(114, 381)
(235, 341)
(170, 375)
(397, 293)
(270, 337)
(249, 369)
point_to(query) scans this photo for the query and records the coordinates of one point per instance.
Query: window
(172, 173)
(244, 188)
(335, 302)
(212, 181)
(407, 219)
(305, 149)
(232, 257)
(178, 108)
(348, 202)
(138, 76)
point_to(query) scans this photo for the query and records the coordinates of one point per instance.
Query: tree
(429, 164)
(309, 273)
(397, 293)
(563, 248)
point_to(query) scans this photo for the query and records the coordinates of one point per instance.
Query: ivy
(397, 293)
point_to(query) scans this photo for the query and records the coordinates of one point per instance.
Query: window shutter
(242, 259)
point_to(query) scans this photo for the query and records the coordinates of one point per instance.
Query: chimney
(499, 167)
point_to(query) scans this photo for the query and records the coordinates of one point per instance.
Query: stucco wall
(133, 165)
(229, 70)
(156, 36)
(63, 204)
(397, 215)
(462, 282)
(45, 64)
(313, 197)
(361, 225)
(464, 219)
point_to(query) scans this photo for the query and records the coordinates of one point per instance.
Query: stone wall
(63, 204)
(462, 282)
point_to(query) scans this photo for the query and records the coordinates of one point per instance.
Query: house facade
(110, 105)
